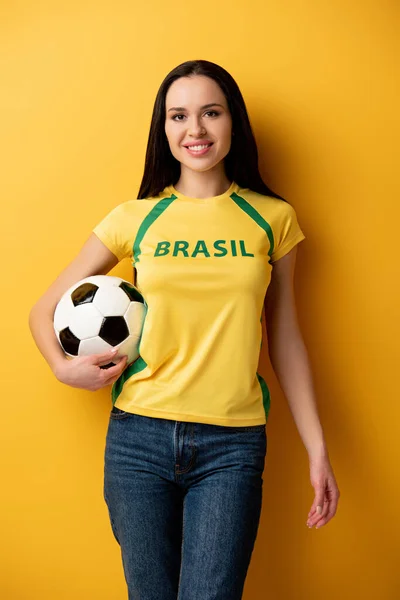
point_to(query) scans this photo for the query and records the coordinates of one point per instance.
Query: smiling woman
(200, 103)
(186, 441)
(201, 138)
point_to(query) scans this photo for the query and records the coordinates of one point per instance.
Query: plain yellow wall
(320, 82)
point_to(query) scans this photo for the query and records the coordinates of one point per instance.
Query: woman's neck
(202, 185)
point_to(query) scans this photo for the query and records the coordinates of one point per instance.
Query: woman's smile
(198, 150)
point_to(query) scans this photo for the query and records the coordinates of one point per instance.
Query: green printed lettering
(217, 246)
(162, 248)
(243, 249)
(183, 249)
(200, 247)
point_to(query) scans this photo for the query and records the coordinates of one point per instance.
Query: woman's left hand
(326, 492)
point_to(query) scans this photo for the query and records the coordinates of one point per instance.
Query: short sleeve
(287, 231)
(115, 231)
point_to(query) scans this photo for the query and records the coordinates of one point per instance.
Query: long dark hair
(241, 163)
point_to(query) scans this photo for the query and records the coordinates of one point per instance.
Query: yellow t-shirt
(203, 267)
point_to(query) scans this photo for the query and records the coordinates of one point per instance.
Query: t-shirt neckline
(234, 187)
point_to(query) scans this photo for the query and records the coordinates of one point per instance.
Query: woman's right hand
(84, 371)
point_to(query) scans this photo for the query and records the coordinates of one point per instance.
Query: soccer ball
(100, 313)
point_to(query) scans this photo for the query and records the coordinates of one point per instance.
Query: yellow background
(320, 83)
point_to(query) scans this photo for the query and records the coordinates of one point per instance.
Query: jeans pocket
(117, 413)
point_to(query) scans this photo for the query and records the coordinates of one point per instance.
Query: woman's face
(189, 121)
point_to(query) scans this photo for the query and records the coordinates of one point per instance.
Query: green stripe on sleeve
(155, 212)
(253, 214)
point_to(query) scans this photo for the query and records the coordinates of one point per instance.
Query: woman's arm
(291, 365)
(93, 259)
(288, 354)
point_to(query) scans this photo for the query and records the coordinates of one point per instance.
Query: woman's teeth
(199, 147)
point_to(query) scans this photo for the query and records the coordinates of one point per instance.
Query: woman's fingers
(316, 519)
(330, 513)
(104, 357)
(110, 375)
(318, 504)
(330, 506)
(333, 497)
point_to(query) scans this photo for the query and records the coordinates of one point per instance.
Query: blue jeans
(184, 501)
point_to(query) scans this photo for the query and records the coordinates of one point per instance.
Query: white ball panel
(85, 321)
(130, 346)
(99, 280)
(111, 301)
(94, 345)
(135, 316)
(63, 313)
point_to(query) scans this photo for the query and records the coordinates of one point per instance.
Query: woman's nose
(196, 127)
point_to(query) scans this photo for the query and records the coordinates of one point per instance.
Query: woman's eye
(213, 112)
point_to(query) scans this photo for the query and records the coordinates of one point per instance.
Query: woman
(211, 245)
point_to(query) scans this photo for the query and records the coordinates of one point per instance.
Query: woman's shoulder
(268, 206)
(134, 206)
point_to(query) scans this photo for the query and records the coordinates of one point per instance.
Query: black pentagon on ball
(131, 292)
(84, 293)
(69, 341)
(114, 330)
